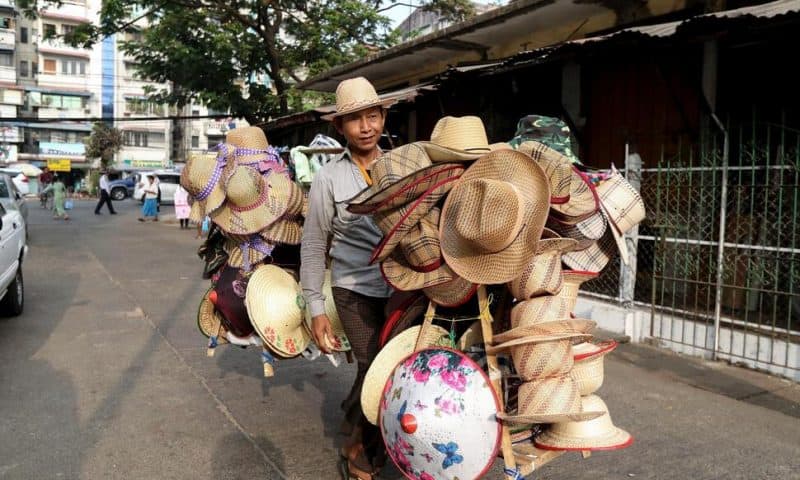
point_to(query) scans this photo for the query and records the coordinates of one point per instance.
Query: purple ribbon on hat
(257, 243)
(222, 156)
(271, 161)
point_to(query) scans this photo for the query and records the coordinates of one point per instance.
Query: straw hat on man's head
(355, 94)
(493, 218)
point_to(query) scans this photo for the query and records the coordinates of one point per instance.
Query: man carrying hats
(359, 290)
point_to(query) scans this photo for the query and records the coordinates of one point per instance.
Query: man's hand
(321, 331)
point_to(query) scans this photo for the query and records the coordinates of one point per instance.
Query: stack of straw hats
(247, 192)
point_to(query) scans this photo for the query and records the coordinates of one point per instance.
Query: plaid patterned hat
(452, 294)
(623, 206)
(400, 177)
(596, 256)
(418, 262)
(583, 200)
(557, 167)
(543, 274)
(586, 232)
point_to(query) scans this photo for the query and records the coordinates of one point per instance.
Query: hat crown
(493, 220)
(354, 92)
(244, 187)
(247, 137)
(461, 133)
(397, 164)
(197, 173)
(598, 427)
(421, 246)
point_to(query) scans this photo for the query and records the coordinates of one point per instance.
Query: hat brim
(616, 439)
(384, 103)
(549, 417)
(399, 274)
(583, 198)
(551, 327)
(407, 189)
(452, 294)
(595, 257)
(289, 232)
(209, 321)
(575, 337)
(603, 348)
(503, 266)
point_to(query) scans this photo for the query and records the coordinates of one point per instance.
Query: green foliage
(104, 142)
(242, 56)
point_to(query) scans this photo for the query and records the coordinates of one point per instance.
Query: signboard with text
(61, 165)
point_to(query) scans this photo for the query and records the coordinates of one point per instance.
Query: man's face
(362, 129)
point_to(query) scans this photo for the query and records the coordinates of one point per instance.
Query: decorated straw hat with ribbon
(493, 218)
(201, 177)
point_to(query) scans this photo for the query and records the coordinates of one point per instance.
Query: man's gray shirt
(354, 237)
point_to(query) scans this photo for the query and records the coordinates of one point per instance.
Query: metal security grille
(718, 256)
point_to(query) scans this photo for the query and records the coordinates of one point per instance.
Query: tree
(242, 56)
(104, 142)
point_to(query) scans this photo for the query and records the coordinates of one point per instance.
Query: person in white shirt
(149, 209)
(105, 195)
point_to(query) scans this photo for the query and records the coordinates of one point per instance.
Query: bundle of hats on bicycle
(389, 256)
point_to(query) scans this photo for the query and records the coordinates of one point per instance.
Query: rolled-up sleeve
(316, 230)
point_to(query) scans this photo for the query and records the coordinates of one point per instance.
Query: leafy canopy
(104, 142)
(242, 56)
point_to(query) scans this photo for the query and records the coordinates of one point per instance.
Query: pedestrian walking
(105, 195)
(359, 290)
(182, 207)
(59, 191)
(149, 209)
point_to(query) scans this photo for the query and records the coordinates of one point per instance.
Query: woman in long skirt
(150, 207)
(59, 198)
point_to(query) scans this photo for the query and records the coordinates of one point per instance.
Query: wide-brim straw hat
(387, 359)
(542, 275)
(288, 229)
(209, 321)
(493, 218)
(452, 294)
(594, 258)
(599, 433)
(574, 337)
(275, 303)
(202, 179)
(399, 177)
(583, 199)
(417, 262)
(623, 206)
(546, 328)
(541, 309)
(549, 400)
(397, 222)
(458, 139)
(250, 142)
(544, 359)
(254, 202)
(584, 232)
(356, 94)
(588, 364)
(556, 166)
(339, 343)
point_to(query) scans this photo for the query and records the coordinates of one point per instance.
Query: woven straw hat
(595, 257)
(250, 142)
(583, 200)
(399, 177)
(236, 254)
(546, 328)
(454, 293)
(419, 262)
(623, 206)
(556, 166)
(387, 359)
(597, 434)
(288, 228)
(549, 400)
(209, 321)
(202, 179)
(585, 232)
(541, 309)
(275, 303)
(253, 201)
(339, 343)
(397, 222)
(438, 415)
(493, 218)
(542, 275)
(356, 94)
(588, 368)
(545, 359)
(573, 279)
(458, 139)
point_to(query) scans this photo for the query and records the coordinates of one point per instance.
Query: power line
(110, 119)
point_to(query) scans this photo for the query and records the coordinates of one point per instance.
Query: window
(195, 141)
(67, 29)
(49, 65)
(142, 106)
(23, 68)
(73, 67)
(82, 68)
(6, 60)
(135, 139)
(23, 35)
(5, 22)
(49, 30)
(171, 179)
(34, 68)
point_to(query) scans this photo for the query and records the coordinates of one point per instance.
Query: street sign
(62, 165)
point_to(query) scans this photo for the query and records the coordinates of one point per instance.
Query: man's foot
(97, 213)
(140, 219)
(155, 219)
(113, 213)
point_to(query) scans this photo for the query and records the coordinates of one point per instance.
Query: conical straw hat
(596, 434)
(493, 218)
(355, 94)
(387, 359)
(275, 304)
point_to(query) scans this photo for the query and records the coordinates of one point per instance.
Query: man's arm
(316, 229)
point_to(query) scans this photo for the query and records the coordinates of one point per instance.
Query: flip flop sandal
(350, 472)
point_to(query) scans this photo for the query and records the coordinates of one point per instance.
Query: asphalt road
(105, 376)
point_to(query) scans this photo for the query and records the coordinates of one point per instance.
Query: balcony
(8, 39)
(8, 4)
(51, 113)
(57, 46)
(8, 74)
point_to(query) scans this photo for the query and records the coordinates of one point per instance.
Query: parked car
(11, 198)
(124, 187)
(13, 250)
(167, 183)
(19, 178)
